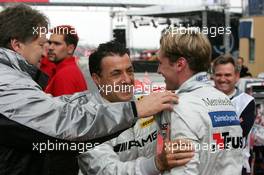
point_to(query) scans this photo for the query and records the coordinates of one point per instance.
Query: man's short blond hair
(188, 43)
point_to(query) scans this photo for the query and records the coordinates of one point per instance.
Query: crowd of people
(191, 128)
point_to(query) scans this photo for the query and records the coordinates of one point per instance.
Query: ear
(181, 63)
(16, 45)
(70, 49)
(212, 76)
(237, 74)
(96, 78)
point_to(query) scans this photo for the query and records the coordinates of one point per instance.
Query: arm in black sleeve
(248, 117)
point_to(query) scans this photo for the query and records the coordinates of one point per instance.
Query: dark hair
(106, 49)
(20, 22)
(69, 33)
(225, 59)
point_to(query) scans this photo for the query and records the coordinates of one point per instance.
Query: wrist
(159, 164)
(135, 109)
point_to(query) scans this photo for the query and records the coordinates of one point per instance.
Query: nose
(44, 52)
(51, 46)
(221, 79)
(126, 78)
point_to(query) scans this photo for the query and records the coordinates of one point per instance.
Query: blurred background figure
(68, 77)
(244, 72)
(225, 76)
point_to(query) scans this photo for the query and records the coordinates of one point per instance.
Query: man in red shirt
(68, 77)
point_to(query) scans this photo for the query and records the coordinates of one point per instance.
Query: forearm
(110, 163)
(248, 117)
(81, 117)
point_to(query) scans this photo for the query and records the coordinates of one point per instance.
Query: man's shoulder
(13, 77)
(201, 95)
(242, 97)
(68, 71)
(243, 94)
(69, 67)
(200, 103)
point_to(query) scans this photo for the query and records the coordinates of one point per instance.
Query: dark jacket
(244, 72)
(17, 156)
(245, 108)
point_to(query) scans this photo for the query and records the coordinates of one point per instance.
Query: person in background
(225, 76)
(68, 78)
(244, 72)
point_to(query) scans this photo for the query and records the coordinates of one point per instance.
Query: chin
(168, 87)
(223, 89)
(127, 97)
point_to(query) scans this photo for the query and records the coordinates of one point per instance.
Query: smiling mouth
(125, 89)
(51, 54)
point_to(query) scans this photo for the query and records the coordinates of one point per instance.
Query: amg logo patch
(137, 143)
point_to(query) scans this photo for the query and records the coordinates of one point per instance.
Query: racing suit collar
(235, 93)
(196, 81)
(232, 94)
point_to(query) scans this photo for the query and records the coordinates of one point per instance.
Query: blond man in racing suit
(204, 114)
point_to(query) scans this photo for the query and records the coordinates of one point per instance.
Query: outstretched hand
(155, 103)
(173, 153)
